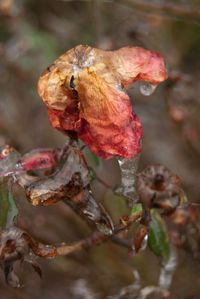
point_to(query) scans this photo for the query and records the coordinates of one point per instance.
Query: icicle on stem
(167, 271)
(128, 169)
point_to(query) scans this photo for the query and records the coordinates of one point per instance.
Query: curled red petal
(134, 63)
(84, 93)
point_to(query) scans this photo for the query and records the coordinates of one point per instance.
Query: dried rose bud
(38, 159)
(13, 162)
(84, 93)
(158, 187)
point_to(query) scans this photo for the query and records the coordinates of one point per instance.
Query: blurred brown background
(35, 32)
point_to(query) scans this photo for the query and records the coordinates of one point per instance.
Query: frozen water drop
(147, 89)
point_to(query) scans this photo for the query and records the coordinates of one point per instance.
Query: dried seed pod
(158, 187)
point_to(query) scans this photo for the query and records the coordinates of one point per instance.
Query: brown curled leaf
(36, 267)
(84, 93)
(139, 237)
(70, 183)
(13, 248)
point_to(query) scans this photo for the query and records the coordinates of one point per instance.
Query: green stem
(8, 209)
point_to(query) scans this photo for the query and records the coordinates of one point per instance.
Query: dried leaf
(84, 93)
(10, 276)
(70, 183)
(139, 237)
(67, 181)
(13, 248)
(17, 245)
(36, 267)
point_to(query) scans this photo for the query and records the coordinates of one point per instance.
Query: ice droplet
(147, 88)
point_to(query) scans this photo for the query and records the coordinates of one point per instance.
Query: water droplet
(147, 89)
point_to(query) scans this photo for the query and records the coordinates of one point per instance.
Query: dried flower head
(157, 186)
(84, 93)
(14, 247)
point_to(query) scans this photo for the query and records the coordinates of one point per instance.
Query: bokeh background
(33, 33)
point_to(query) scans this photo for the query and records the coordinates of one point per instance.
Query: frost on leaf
(70, 182)
(84, 91)
(56, 174)
(13, 163)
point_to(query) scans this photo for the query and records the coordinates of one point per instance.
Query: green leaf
(137, 208)
(13, 210)
(8, 209)
(92, 175)
(92, 160)
(4, 208)
(115, 205)
(158, 240)
(183, 198)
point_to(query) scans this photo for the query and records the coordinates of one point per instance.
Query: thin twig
(169, 9)
(97, 4)
(99, 179)
(122, 242)
(102, 182)
(97, 238)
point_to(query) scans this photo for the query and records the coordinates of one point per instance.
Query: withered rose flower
(84, 91)
(158, 187)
